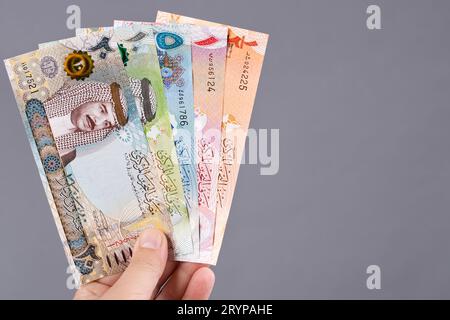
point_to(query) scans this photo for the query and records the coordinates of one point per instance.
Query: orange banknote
(245, 56)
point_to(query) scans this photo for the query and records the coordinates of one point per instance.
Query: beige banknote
(173, 45)
(86, 134)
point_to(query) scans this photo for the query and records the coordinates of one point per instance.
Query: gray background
(364, 151)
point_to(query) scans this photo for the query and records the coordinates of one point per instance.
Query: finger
(168, 271)
(95, 290)
(109, 280)
(178, 282)
(201, 285)
(146, 267)
(91, 291)
(170, 268)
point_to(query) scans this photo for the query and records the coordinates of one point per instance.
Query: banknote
(85, 131)
(173, 45)
(137, 47)
(208, 66)
(245, 56)
(208, 70)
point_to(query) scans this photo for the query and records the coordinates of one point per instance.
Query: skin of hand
(150, 276)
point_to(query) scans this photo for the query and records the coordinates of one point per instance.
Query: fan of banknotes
(139, 125)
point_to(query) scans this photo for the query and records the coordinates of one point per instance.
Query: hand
(151, 276)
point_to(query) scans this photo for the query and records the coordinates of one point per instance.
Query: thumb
(146, 267)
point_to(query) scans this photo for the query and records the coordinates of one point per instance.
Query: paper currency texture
(136, 45)
(245, 56)
(173, 45)
(86, 135)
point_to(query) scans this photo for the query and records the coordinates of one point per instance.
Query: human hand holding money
(151, 276)
(140, 127)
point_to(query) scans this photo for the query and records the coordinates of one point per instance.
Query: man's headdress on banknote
(71, 97)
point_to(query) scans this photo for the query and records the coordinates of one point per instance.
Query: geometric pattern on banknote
(83, 253)
(171, 69)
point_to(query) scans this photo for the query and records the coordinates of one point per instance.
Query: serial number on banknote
(31, 83)
(245, 74)
(182, 109)
(211, 83)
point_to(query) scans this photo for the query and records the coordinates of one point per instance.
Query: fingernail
(150, 239)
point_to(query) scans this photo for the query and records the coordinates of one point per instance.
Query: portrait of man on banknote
(84, 114)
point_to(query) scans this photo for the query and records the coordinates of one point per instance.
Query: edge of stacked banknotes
(139, 125)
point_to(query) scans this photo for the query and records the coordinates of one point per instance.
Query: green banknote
(173, 46)
(137, 48)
